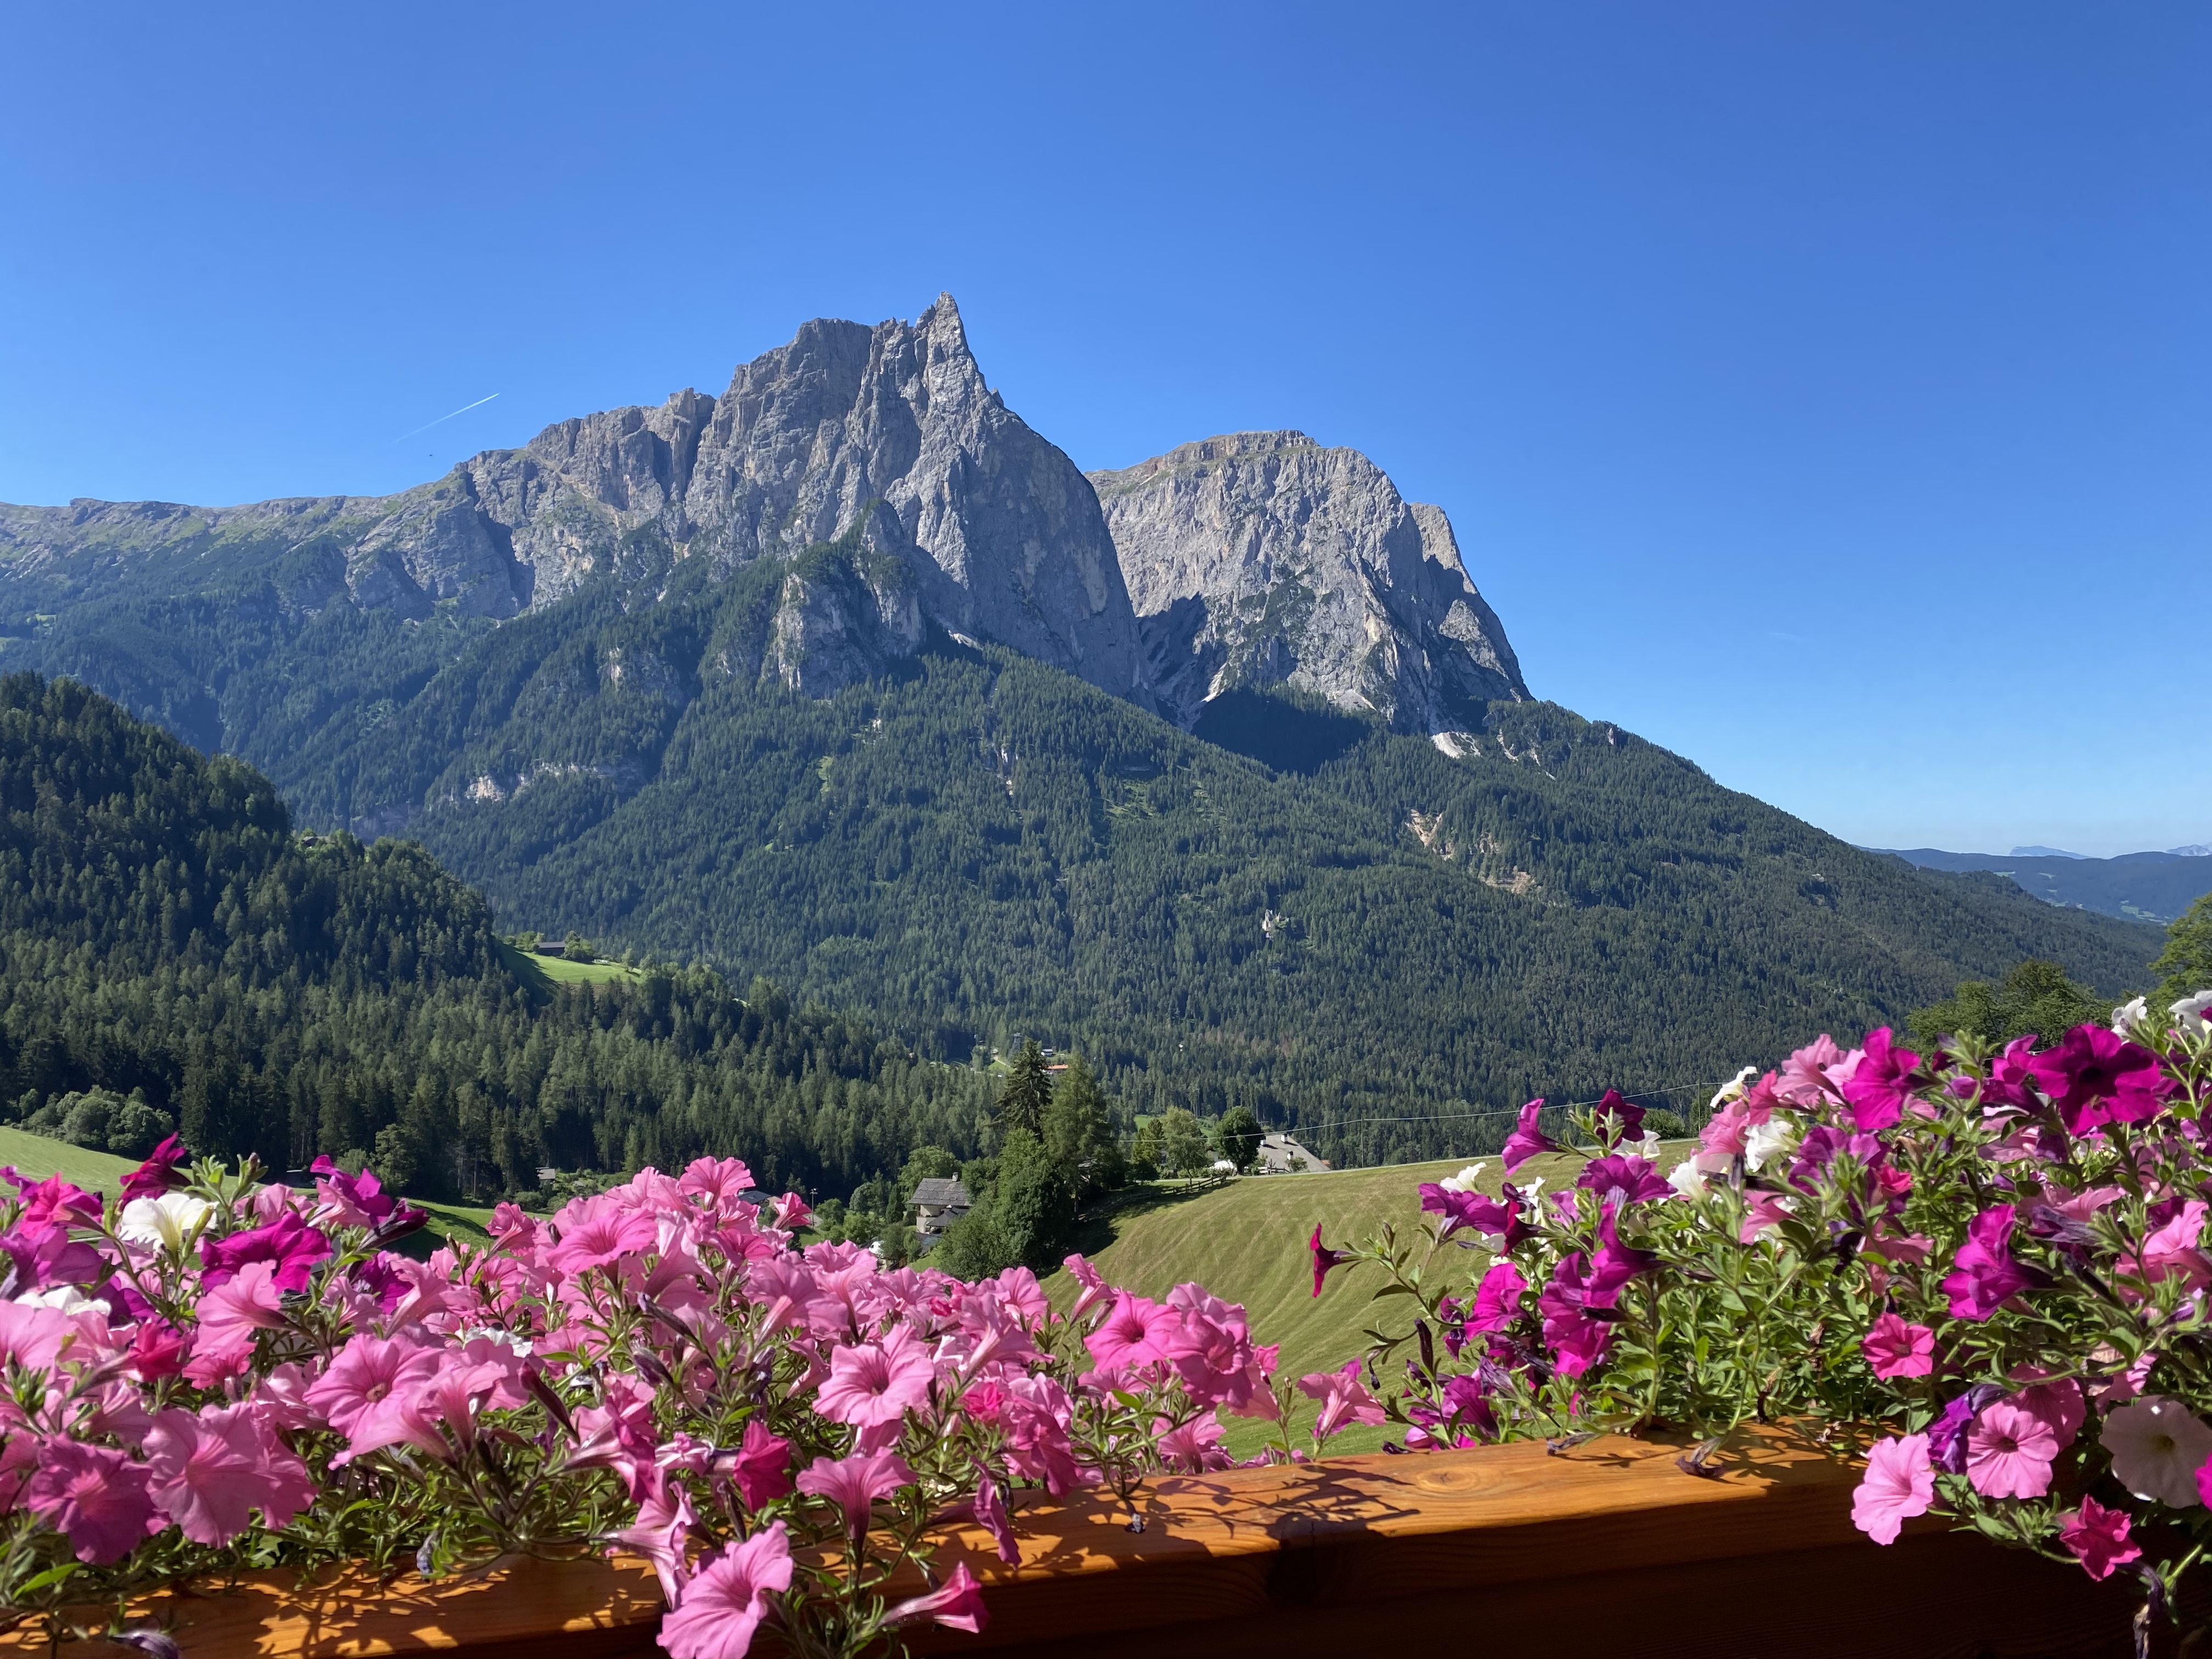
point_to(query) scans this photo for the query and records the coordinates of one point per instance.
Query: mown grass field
(535, 968)
(1247, 1244)
(41, 1156)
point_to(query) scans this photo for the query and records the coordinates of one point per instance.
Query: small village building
(1280, 1155)
(937, 1203)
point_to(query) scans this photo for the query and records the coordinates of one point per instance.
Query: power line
(1494, 1111)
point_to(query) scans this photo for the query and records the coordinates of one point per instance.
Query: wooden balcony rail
(1606, 1549)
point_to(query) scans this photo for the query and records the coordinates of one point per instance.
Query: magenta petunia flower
(1615, 1112)
(289, 1245)
(1983, 1276)
(1882, 1083)
(875, 1384)
(1324, 1259)
(2096, 1077)
(211, 1471)
(1526, 1140)
(2009, 1452)
(1497, 1298)
(762, 1466)
(1619, 1176)
(162, 1170)
(724, 1600)
(957, 1604)
(1895, 1349)
(1898, 1484)
(1576, 1341)
(2098, 1538)
(95, 1497)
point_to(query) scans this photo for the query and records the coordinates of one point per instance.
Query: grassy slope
(99, 1172)
(1247, 1244)
(41, 1156)
(534, 969)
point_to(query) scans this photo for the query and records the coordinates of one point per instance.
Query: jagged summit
(1261, 558)
(1246, 560)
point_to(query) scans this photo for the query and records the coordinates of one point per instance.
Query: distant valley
(2155, 887)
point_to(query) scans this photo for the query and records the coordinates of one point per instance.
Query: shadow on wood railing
(1607, 1549)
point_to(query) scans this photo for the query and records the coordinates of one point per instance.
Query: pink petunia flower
(370, 1395)
(854, 1484)
(2098, 1538)
(599, 1232)
(1344, 1399)
(212, 1471)
(724, 1600)
(957, 1605)
(2009, 1452)
(1898, 1484)
(2095, 1076)
(1135, 1333)
(1895, 1349)
(95, 1496)
(875, 1382)
(1497, 1298)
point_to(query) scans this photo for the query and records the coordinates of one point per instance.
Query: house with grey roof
(1280, 1155)
(937, 1203)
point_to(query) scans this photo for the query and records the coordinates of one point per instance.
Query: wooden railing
(1606, 1549)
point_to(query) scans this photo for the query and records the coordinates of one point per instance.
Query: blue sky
(1824, 392)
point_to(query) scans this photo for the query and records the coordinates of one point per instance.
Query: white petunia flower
(1734, 1087)
(169, 1222)
(1465, 1180)
(1688, 1180)
(63, 1298)
(1763, 1143)
(2198, 1008)
(2129, 1015)
(1646, 1148)
(2157, 1447)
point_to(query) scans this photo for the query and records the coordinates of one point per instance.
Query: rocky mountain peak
(1259, 558)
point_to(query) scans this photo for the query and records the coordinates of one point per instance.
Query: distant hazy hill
(847, 677)
(2153, 887)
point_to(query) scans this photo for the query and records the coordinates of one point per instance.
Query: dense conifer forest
(173, 953)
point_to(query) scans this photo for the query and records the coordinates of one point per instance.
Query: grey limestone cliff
(888, 434)
(1262, 558)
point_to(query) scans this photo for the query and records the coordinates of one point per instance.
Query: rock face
(1261, 558)
(888, 434)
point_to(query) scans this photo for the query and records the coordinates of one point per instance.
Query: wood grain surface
(1608, 1548)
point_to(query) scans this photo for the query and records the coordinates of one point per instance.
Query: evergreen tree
(1032, 1203)
(1080, 1137)
(1027, 1091)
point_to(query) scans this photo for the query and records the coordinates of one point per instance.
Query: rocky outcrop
(890, 433)
(1262, 558)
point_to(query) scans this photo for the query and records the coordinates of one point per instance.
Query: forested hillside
(1334, 925)
(169, 945)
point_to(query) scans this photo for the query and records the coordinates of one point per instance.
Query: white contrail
(442, 419)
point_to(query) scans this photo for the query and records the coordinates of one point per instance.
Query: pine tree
(1027, 1092)
(1079, 1135)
